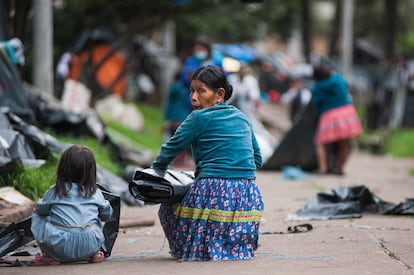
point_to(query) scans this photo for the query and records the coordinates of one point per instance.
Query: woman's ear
(220, 94)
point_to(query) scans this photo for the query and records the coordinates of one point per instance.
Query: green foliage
(406, 44)
(223, 21)
(231, 21)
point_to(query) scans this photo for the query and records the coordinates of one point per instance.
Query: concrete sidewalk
(373, 244)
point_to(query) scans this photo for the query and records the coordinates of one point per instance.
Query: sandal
(98, 257)
(42, 260)
(300, 228)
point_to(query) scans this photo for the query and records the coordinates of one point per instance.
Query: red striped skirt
(338, 124)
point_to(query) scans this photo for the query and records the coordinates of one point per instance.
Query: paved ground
(373, 244)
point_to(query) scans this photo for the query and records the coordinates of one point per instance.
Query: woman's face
(202, 96)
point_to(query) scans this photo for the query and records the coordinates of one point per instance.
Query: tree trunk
(333, 47)
(306, 29)
(43, 45)
(390, 27)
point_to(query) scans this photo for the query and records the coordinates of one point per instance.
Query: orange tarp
(108, 73)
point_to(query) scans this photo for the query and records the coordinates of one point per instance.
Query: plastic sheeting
(12, 93)
(13, 147)
(242, 53)
(15, 235)
(111, 227)
(28, 142)
(49, 112)
(150, 186)
(349, 202)
(297, 146)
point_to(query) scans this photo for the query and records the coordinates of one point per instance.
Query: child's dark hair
(76, 165)
(214, 78)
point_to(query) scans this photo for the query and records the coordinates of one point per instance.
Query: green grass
(31, 182)
(397, 143)
(150, 137)
(400, 143)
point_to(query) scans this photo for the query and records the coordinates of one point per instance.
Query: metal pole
(43, 45)
(347, 37)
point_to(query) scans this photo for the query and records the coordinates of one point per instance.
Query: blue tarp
(241, 53)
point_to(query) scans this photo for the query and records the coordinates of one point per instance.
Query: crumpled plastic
(349, 202)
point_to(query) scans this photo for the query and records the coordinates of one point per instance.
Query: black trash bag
(15, 235)
(297, 147)
(403, 208)
(40, 142)
(111, 227)
(115, 185)
(152, 187)
(342, 202)
(14, 151)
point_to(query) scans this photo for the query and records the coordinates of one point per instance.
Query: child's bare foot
(43, 260)
(98, 257)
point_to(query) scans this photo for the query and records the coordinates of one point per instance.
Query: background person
(297, 97)
(202, 55)
(246, 95)
(177, 109)
(338, 122)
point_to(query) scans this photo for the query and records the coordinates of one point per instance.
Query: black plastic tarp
(14, 148)
(26, 141)
(349, 202)
(12, 93)
(297, 146)
(15, 235)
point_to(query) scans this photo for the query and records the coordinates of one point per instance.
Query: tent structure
(95, 62)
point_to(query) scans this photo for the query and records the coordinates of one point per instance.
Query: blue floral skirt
(218, 219)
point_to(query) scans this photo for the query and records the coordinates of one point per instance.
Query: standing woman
(338, 121)
(219, 217)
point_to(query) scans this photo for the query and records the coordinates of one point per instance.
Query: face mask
(200, 55)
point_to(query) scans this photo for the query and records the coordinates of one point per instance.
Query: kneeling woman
(219, 217)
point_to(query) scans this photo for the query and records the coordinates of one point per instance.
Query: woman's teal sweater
(222, 142)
